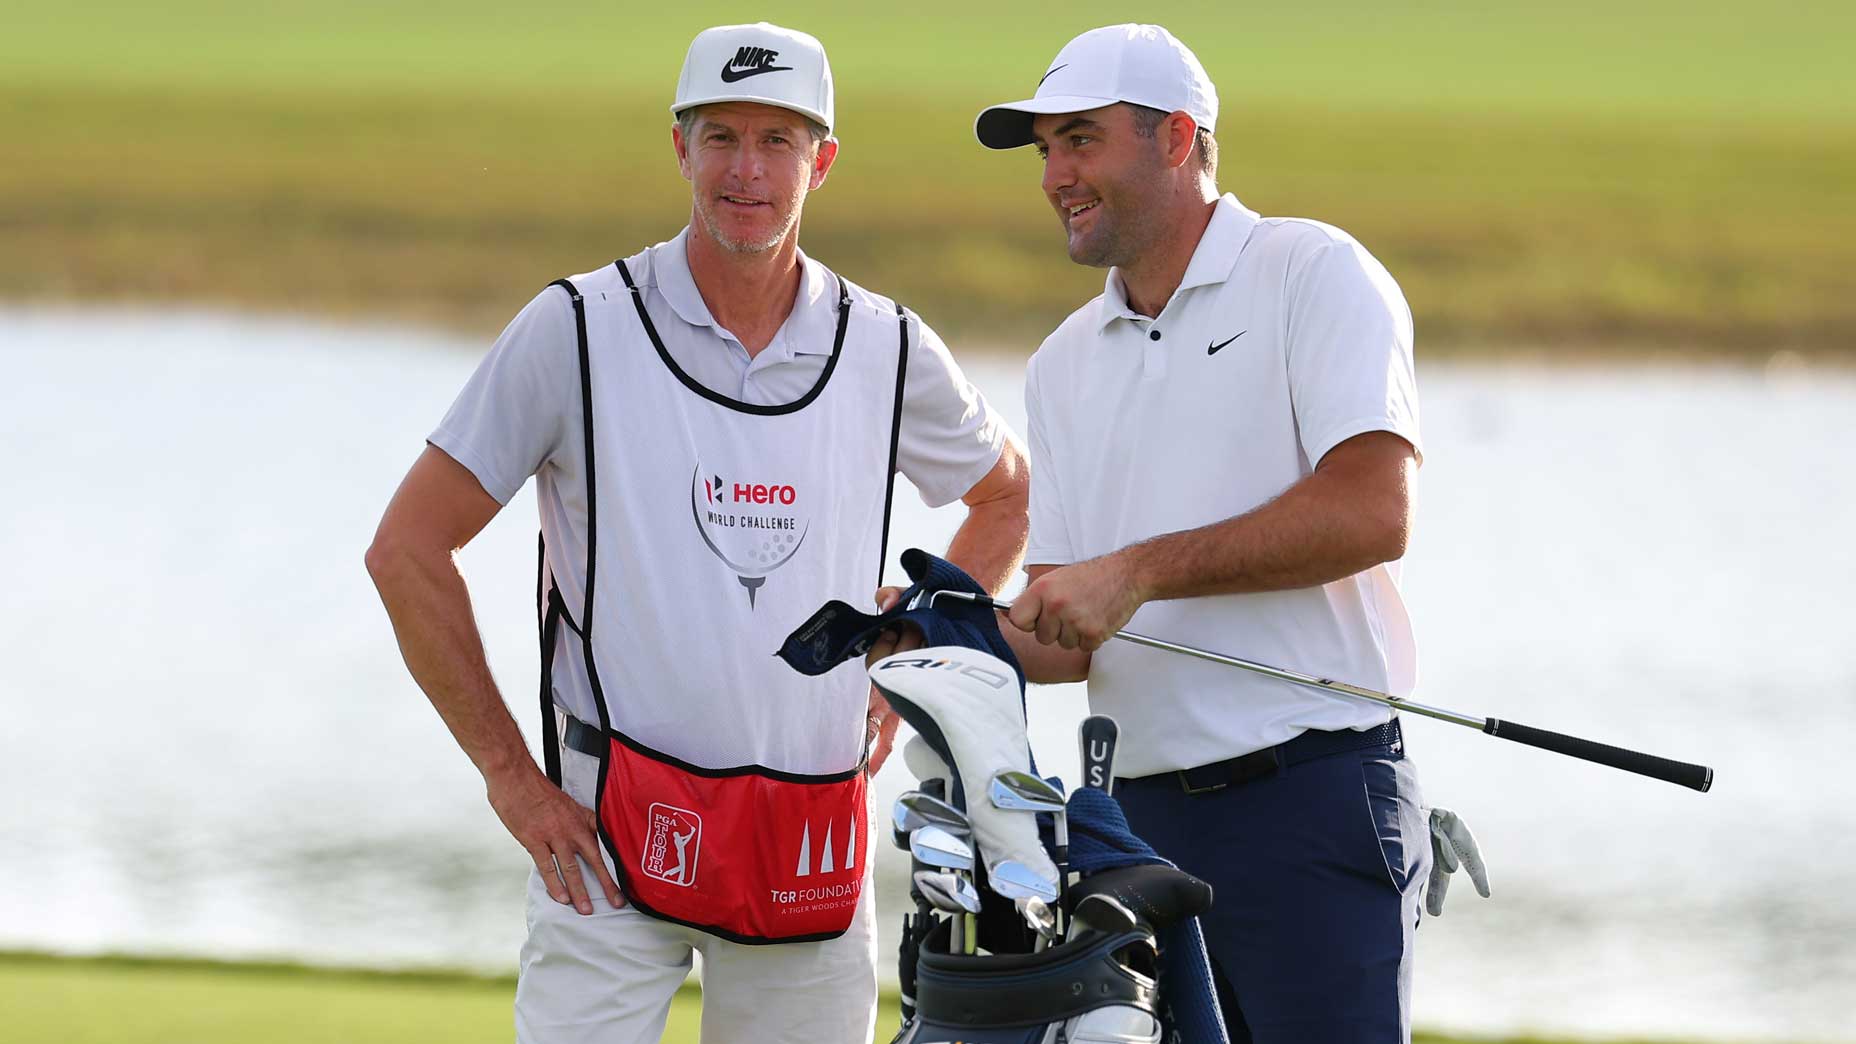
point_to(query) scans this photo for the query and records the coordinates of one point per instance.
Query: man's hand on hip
(556, 830)
(882, 720)
(1080, 606)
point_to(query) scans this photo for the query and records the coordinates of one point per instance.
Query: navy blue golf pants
(1317, 871)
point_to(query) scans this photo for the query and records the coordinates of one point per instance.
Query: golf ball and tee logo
(753, 524)
(673, 840)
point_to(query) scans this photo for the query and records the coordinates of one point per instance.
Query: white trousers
(608, 977)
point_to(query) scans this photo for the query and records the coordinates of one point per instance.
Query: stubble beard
(736, 245)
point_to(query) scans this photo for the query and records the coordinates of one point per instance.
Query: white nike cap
(757, 63)
(1142, 64)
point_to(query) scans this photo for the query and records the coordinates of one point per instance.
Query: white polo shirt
(1284, 339)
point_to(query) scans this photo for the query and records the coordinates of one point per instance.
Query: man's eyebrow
(1073, 123)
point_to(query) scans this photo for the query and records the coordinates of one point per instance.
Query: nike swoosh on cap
(1213, 349)
(1053, 70)
(730, 74)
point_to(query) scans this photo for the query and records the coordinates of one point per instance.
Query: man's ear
(1178, 132)
(821, 163)
(682, 149)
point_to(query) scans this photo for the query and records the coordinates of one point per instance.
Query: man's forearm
(990, 543)
(1318, 531)
(429, 605)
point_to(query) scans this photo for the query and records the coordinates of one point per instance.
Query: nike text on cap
(757, 63)
(1142, 64)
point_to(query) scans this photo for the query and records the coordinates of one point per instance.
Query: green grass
(120, 1000)
(1577, 178)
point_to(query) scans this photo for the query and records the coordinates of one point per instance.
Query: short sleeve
(514, 413)
(1050, 536)
(1349, 351)
(950, 435)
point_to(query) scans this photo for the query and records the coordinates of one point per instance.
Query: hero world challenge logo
(753, 527)
(672, 841)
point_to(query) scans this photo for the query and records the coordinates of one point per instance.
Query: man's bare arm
(1352, 513)
(991, 540)
(439, 508)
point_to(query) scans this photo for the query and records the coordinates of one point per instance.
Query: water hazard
(209, 744)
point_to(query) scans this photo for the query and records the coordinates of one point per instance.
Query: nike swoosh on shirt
(730, 74)
(1213, 349)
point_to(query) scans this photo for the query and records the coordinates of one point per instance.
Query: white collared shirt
(1284, 339)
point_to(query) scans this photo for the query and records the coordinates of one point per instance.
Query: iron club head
(935, 846)
(1014, 880)
(1104, 913)
(947, 892)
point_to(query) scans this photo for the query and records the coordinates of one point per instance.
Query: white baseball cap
(757, 63)
(1142, 64)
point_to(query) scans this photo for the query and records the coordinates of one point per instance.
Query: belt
(1203, 779)
(578, 735)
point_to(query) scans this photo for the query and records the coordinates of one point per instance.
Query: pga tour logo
(672, 840)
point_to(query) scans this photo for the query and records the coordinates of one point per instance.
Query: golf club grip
(1681, 773)
(1099, 735)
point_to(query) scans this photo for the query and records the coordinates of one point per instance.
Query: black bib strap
(551, 610)
(895, 439)
(663, 354)
(547, 616)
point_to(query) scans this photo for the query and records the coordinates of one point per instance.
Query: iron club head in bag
(1023, 792)
(935, 846)
(922, 810)
(1014, 880)
(948, 892)
(1103, 913)
(1039, 917)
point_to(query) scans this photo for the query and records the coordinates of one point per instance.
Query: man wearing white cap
(1223, 446)
(714, 424)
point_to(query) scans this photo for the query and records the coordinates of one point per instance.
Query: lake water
(208, 744)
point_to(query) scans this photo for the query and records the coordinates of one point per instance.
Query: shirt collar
(1212, 260)
(809, 330)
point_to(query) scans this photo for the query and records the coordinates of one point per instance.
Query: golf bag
(1099, 987)
(983, 959)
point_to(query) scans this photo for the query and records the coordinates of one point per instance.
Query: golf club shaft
(1681, 773)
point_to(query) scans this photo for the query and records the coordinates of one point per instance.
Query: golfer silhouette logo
(673, 840)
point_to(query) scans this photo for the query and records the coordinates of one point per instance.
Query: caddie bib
(731, 790)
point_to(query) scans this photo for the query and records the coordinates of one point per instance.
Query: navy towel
(838, 632)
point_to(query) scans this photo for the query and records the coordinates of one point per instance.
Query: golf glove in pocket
(1452, 845)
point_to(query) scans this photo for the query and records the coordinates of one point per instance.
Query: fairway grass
(55, 1000)
(1586, 180)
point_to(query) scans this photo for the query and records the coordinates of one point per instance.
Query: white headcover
(974, 701)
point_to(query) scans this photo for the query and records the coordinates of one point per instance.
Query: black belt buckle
(1239, 770)
(1185, 783)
